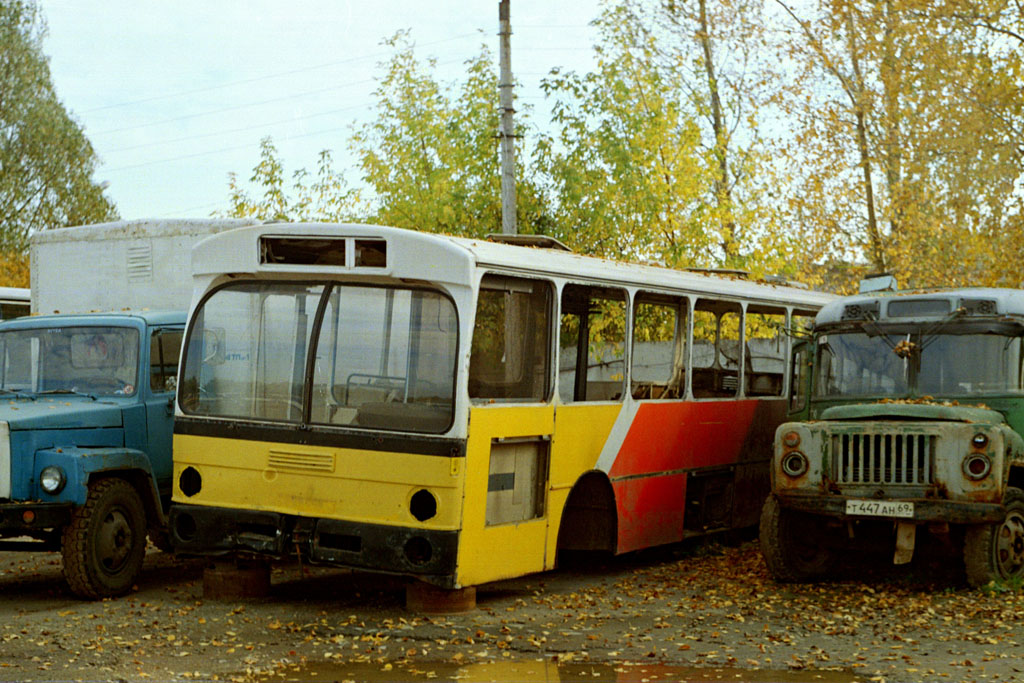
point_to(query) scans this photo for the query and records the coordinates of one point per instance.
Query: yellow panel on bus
(492, 547)
(318, 481)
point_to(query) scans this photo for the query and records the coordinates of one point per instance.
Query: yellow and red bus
(461, 410)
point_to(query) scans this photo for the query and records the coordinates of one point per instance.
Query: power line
(232, 108)
(243, 129)
(247, 105)
(208, 152)
(257, 79)
(292, 72)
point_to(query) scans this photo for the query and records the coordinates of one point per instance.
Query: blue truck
(86, 420)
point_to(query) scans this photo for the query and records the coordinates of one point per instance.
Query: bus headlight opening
(423, 505)
(977, 466)
(190, 482)
(794, 464)
(52, 479)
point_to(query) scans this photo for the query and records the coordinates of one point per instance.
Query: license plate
(880, 508)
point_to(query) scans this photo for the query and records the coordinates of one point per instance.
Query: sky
(174, 96)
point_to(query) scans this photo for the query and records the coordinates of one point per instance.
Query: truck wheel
(790, 543)
(995, 552)
(105, 541)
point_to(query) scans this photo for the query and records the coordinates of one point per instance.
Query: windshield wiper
(905, 348)
(67, 391)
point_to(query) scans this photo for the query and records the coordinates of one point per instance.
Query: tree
(46, 162)
(906, 134)
(714, 51)
(624, 167)
(428, 160)
(323, 196)
(431, 157)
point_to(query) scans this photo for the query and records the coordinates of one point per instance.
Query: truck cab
(86, 411)
(907, 418)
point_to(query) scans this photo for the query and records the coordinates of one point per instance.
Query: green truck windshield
(856, 364)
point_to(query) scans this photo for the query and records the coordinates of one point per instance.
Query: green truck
(907, 409)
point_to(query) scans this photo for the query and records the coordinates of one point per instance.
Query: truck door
(164, 351)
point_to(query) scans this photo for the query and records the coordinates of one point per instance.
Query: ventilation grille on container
(883, 458)
(139, 261)
(301, 462)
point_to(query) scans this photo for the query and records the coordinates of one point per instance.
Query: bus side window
(510, 356)
(592, 344)
(658, 362)
(765, 344)
(717, 352)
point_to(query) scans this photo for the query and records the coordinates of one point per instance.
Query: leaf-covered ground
(702, 606)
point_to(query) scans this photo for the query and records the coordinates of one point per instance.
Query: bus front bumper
(925, 509)
(429, 555)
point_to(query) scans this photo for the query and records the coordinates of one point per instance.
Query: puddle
(546, 671)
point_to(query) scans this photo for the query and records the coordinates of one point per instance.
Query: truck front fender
(81, 465)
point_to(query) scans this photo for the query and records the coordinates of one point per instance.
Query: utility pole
(508, 140)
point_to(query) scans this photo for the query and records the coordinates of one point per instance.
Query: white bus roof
(446, 259)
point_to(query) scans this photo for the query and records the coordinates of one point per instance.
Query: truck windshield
(101, 361)
(897, 365)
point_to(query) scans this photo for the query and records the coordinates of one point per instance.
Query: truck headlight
(52, 479)
(977, 466)
(794, 464)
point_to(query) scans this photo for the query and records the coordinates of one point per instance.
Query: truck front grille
(883, 458)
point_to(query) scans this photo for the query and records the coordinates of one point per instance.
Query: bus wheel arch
(590, 516)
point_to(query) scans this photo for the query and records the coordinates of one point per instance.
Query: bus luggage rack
(883, 458)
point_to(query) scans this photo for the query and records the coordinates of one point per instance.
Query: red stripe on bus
(650, 511)
(672, 436)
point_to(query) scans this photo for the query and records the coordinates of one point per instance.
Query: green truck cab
(907, 413)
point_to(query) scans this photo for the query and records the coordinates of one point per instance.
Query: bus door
(510, 428)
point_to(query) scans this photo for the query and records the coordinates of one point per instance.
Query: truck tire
(790, 544)
(995, 552)
(104, 544)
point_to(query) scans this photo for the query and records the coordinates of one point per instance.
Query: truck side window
(798, 378)
(164, 350)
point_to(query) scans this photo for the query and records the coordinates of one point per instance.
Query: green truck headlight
(795, 464)
(977, 466)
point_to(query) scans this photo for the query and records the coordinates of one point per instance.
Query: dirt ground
(645, 617)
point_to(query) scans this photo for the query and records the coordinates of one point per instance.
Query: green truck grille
(867, 458)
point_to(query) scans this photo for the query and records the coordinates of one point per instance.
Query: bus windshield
(384, 357)
(901, 365)
(100, 361)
